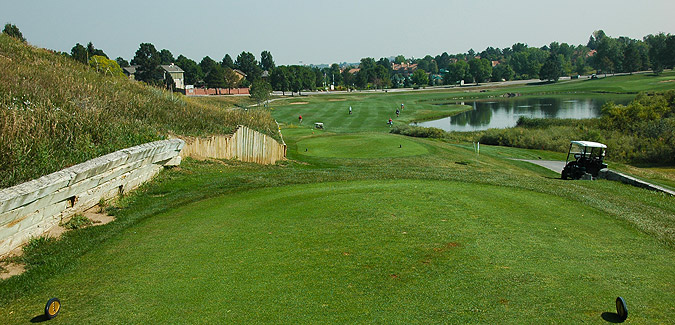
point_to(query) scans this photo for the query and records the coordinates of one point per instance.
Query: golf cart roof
(589, 144)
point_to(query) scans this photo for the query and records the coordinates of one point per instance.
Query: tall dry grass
(55, 112)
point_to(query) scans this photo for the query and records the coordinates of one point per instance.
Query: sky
(325, 32)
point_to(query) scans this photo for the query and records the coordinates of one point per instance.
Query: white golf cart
(587, 160)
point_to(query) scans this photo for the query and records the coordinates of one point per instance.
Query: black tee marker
(621, 308)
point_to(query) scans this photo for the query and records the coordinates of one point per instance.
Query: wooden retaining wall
(244, 144)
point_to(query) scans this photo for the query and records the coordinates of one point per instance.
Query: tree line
(601, 54)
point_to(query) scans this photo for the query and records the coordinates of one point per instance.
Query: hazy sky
(327, 31)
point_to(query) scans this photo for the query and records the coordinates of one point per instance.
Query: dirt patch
(446, 247)
(671, 80)
(9, 269)
(298, 103)
(337, 100)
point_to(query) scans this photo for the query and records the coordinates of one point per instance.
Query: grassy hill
(56, 112)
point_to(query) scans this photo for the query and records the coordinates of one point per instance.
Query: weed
(77, 221)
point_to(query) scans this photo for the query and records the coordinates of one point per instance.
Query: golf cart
(588, 160)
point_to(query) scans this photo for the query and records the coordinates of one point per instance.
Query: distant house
(176, 73)
(173, 70)
(404, 67)
(240, 73)
(130, 71)
(494, 63)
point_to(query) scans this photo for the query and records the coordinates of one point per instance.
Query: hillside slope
(56, 112)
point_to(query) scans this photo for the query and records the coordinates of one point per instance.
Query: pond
(505, 112)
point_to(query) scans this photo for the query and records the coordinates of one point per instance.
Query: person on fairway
(390, 122)
(401, 106)
(350, 110)
(397, 112)
(300, 119)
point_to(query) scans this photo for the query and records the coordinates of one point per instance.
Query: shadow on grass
(612, 317)
(39, 318)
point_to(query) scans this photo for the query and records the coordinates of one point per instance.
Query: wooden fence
(244, 144)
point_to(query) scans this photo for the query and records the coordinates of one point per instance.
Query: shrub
(418, 131)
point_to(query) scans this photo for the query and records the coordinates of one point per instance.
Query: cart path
(557, 166)
(554, 165)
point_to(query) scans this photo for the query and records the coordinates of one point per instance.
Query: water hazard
(504, 113)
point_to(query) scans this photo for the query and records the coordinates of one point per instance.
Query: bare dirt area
(337, 100)
(9, 269)
(298, 103)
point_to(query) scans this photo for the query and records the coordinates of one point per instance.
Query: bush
(640, 132)
(418, 131)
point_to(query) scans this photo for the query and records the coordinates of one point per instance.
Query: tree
(207, 64)
(227, 62)
(105, 66)
(192, 71)
(79, 53)
(166, 57)
(399, 59)
(12, 31)
(231, 78)
(266, 61)
(215, 78)
(260, 91)
(657, 50)
(502, 72)
(148, 60)
(457, 72)
(122, 62)
(552, 69)
(247, 63)
(480, 69)
(91, 50)
(280, 79)
(420, 78)
(631, 58)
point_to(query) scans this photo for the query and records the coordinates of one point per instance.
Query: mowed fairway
(370, 110)
(366, 252)
(373, 145)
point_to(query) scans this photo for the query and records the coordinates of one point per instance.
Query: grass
(443, 236)
(432, 234)
(360, 146)
(403, 250)
(56, 112)
(370, 111)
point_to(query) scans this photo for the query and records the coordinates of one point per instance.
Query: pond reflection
(504, 113)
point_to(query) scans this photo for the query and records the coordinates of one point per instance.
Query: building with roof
(176, 73)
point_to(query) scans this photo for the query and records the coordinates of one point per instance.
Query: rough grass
(55, 112)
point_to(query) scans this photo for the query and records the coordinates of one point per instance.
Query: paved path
(554, 165)
(557, 166)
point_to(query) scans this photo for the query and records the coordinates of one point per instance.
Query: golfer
(401, 106)
(350, 110)
(390, 122)
(397, 112)
(300, 119)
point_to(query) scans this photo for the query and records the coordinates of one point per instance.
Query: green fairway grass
(370, 111)
(385, 251)
(358, 230)
(372, 145)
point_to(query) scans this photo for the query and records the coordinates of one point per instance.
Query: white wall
(30, 209)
